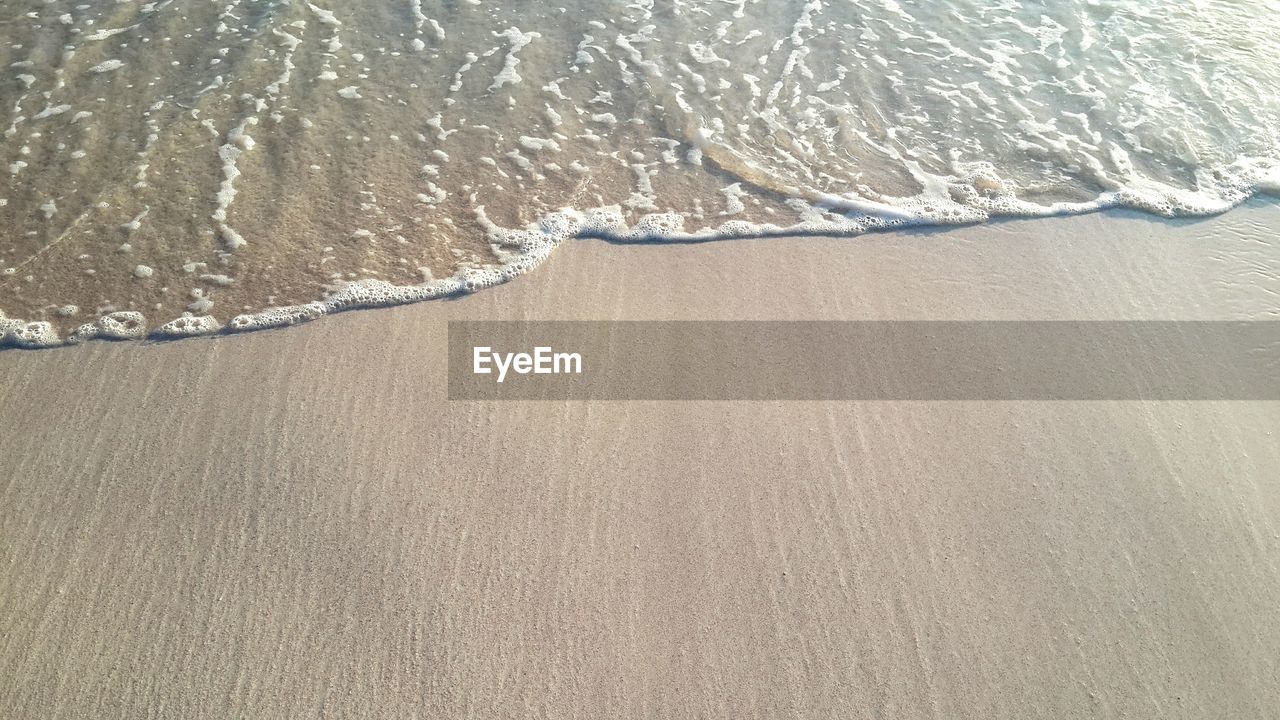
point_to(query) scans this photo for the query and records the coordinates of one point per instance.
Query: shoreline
(532, 252)
(298, 522)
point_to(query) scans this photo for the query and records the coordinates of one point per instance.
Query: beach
(299, 523)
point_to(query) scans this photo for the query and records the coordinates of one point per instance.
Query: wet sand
(297, 523)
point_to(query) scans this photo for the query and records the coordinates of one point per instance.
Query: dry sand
(297, 524)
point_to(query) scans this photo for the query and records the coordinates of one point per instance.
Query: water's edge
(521, 251)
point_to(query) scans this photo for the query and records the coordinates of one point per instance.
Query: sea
(188, 167)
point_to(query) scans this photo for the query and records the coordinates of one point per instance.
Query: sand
(297, 523)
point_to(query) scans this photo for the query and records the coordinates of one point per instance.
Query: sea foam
(464, 142)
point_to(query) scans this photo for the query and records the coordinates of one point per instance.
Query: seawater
(185, 167)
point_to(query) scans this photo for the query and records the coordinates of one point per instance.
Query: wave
(225, 168)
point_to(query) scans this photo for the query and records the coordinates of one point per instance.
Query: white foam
(106, 66)
(136, 222)
(733, 195)
(234, 241)
(706, 55)
(51, 112)
(200, 303)
(828, 117)
(434, 195)
(123, 325)
(508, 75)
(539, 144)
(18, 333)
(222, 280)
(107, 33)
(189, 326)
(326, 17)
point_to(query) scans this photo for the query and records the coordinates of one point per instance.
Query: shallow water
(214, 159)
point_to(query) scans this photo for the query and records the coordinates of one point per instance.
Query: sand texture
(297, 523)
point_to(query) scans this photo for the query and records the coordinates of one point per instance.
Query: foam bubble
(51, 111)
(508, 75)
(324, 16)
(123, 325)
(189, 326)
(39, 334)
(106, 66)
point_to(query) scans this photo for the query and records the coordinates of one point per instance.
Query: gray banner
(897, 360)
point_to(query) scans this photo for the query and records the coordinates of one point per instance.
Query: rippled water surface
(214, 159)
